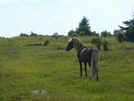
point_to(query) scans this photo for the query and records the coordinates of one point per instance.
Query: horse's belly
(83, 55)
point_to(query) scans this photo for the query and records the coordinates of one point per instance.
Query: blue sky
(49, 16)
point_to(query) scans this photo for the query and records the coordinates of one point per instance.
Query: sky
(46, 17)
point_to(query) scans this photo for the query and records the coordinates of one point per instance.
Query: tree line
(122, 34)
(84, 29)
(26, 35)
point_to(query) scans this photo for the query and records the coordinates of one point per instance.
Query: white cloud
(70, 1)
(60, 18)
(76, 1)
(34, 0)
(10, 1)
(28, 21)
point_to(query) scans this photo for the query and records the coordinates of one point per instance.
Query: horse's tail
(94, 65)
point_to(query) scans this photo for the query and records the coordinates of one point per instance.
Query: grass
(53, 69)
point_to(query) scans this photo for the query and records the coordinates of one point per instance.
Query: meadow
(27, 65)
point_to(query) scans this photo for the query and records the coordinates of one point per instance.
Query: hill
(27, 65)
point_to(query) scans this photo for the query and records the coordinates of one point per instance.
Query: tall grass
(53, 69)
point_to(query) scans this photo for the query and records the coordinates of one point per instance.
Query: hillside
(27, 65)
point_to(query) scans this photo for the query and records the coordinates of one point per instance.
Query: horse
(86, 55)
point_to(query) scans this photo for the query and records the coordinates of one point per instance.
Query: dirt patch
(12, 50)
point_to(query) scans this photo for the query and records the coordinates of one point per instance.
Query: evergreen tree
(84, 27)
(129, 29)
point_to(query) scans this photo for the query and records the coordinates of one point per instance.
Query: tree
(105, 34)
(83, 26)
(33, 34)
(94, 33)
(46, 42)
(82, 33)
(71, 32)
(23, 35)
(97, 42)
(55, 35)
(116, 32)
(129, 29)
(105, 45)
(74, 35)
(120, 36)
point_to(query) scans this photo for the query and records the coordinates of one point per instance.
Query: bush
(60, 48)
(97, 42)
(94, 33)
(105, 45)
(71, 32)
(33, 34)
(120, 37)
(82, 33)
(74, 35)
(24, 35)
(46, 42)
(105, 34)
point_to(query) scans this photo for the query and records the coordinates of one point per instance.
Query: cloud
(70, 1)
(10, 1)
(76, 1)
(7, 1)
(28, 21)
(34, 0)
(64, 19)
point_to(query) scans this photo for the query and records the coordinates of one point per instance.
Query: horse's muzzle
(67, 49)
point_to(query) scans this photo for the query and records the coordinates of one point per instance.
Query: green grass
(53, 69)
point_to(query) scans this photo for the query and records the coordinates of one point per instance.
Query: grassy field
(25, 67)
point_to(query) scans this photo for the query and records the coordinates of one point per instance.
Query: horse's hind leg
(85, 68)
(80, 68)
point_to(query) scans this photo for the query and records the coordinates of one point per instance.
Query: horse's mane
(77, 43)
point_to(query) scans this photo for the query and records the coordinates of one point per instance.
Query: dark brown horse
(86, 55)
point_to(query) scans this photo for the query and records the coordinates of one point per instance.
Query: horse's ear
(70, 40)
(73, 38)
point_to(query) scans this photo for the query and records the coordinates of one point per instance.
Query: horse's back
(85, 54)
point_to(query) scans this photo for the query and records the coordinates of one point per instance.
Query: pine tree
(129, 29)
(84, 27)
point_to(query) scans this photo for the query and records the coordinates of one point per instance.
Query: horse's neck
(79, 47)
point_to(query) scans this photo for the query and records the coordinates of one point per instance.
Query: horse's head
(70, 44)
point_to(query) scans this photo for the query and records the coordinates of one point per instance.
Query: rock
(38, 92)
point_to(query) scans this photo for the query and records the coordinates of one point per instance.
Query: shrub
(82, 33)
(24, 35)
(46, 42)
(105, 34)
(105, 45)
(71, 32)
(33, 34)
(120, 37)
(74, 35)
(55, 35)
(97, 42)
(60, 48)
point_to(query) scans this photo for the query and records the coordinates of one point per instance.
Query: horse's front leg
(85, 68)
(80, 68)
